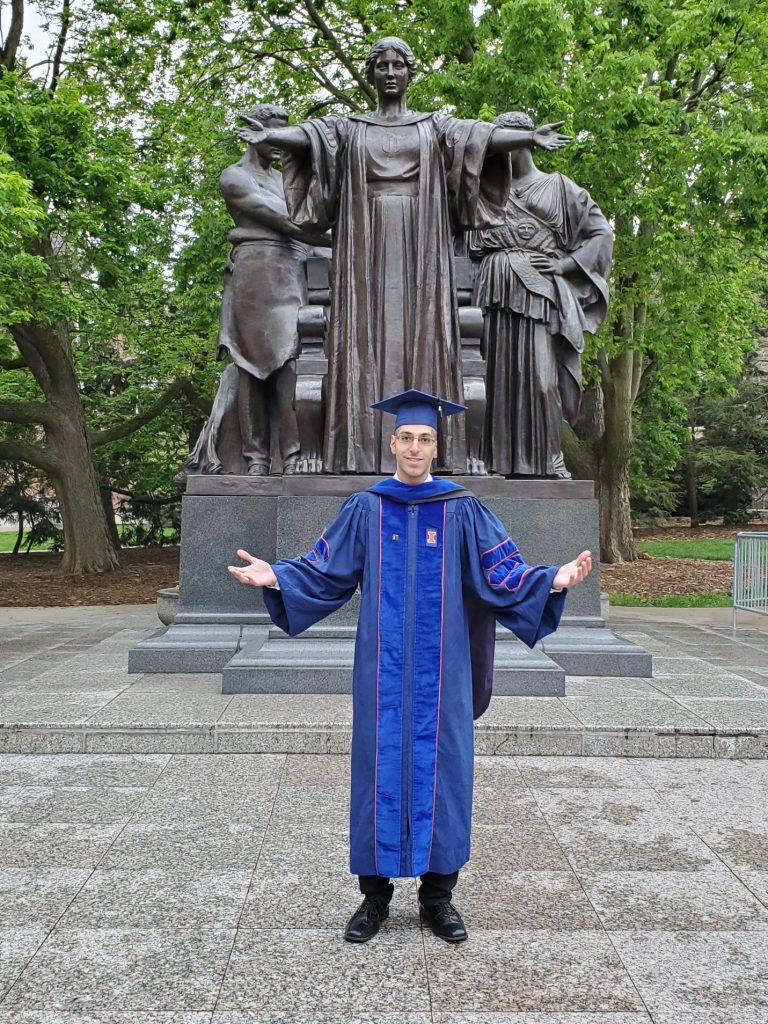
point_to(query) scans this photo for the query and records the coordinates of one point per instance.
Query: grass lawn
(710, 550)
(714, 600)
(8, 539)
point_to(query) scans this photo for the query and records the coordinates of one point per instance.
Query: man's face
(265, 149)
(414, 447)
(390, 74)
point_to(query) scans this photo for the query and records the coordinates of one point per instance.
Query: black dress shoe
(366, 921)
(445, 921)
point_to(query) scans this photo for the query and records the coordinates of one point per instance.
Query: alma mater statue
(394, 185)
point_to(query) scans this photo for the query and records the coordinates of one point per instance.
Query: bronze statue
(394, 185)
(542, 282)
(264, 287)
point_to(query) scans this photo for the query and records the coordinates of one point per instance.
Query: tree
(82, 227)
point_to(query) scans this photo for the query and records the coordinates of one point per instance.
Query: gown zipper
(407, 765)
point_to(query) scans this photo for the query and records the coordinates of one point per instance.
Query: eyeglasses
(424, 440)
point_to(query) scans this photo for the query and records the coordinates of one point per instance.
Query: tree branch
(21, 451)
(25, 412)
(328, 35)
(144, 499)
(193, 396)
(9, 50)
(101, 437)
(66, 15)
(13, 364)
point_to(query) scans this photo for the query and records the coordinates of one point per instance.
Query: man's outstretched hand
(571, 573)
(257, 573)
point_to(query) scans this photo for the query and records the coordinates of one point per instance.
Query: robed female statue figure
(394, 186)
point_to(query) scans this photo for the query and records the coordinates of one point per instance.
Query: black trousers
(434, 888)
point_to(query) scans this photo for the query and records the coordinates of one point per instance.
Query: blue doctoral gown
(420, 553)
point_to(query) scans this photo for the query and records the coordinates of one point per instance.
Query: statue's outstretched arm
(506, 139)
(290, 139)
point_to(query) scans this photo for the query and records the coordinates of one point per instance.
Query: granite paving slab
(734, 804)
(528, 713)
(159, 898)
(126, 968)
(502, 807)
(539, 1018)
(163, 682)
(497, 774)
(288, 710)
(54, 845)
(316, 770)
(102, 1017)
(684, 666)
(317, 809)
(258, 771)
(17, 947)
(621, 829)
(586, 772)
(710, 686)
(634, 713)
(206, 805)
(269, 969)
(294, 850)
(742, 1015)
(674, 901)
(529, 845)
(525, 970)
(730, 715)
(82, 804)
(62, 681)
(284, 900)
(739, 847)
(82, 769)
(602, 686)
(525, 900)
(679, 971)
(315, 1017)
(674, 773)
(37, 897)
(216, 845)
(153, 710)
(51, 709)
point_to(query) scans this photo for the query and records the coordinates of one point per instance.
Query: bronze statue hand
(253, 132)
(546, 264)
(548, 138)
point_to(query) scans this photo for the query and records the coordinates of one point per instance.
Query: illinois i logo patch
(432, 538)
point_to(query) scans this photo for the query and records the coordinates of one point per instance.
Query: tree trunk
(87, 544)
(616, 541)
(109, 515)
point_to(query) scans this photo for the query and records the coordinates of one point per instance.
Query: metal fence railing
(750, 574)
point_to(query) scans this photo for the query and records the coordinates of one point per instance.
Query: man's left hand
(574, 572)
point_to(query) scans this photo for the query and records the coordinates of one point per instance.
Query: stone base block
(186, 647)
(321, 661)
(596, 651)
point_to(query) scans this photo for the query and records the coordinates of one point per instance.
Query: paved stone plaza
(171, 855)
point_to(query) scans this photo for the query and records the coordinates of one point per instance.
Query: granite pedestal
(222, 626)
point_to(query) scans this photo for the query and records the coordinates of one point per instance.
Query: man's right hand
(257, 573)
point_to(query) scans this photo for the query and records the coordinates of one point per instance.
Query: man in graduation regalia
(433, 566)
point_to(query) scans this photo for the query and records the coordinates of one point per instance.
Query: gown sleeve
(519, 595)
(318, 583)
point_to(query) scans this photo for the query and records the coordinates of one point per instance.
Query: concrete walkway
(171, 887)
(64, 688)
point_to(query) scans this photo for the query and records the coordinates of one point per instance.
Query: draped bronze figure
(542, 281)
(394, 186)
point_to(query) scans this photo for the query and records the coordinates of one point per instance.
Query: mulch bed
(34, 579)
